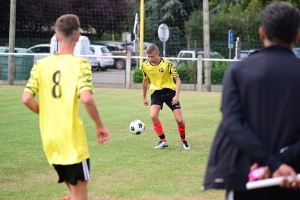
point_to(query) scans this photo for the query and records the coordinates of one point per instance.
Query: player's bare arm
(29, 101)
(145, 88)
(178, 84)
(102, 132)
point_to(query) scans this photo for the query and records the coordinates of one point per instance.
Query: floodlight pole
(12, 33)
(142, 22)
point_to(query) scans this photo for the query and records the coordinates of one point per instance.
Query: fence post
(238, 47)
(12, 32)
(199, 73)
(128, 71)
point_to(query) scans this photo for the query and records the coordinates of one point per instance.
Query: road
(109, 76)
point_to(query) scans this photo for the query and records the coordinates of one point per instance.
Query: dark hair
(67, 25)
(281, 21)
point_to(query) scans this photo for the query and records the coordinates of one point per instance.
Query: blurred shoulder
(167, 62)
(145, 64)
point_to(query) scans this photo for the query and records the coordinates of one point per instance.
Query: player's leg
(60, 169)
(154, 112)
(181, 127)
(156, 106)
(68, 186)
(79, 191)
(76, 177)
(176, 108)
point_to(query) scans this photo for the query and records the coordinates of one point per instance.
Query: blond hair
(152, 48)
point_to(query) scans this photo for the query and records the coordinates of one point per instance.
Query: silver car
(103, 62)
(118, 48)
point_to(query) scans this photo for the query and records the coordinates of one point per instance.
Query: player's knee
(154, 118)
(180, 122)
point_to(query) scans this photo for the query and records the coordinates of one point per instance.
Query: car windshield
(129, 47)
(90, 52)
(112, 46)
(212, 54)
(185, 55)
(105, 50)
(215, 55)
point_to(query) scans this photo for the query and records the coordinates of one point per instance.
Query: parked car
(118, 48)
(93, 61)
(192, 54)
(246, 53)
(5, 49)
(24, 63)
(130, 46)
(40, 48)
(146, 44)
(102, 62)
(45, 49)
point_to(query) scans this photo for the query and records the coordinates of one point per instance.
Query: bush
(137, 76)
(218, 69)
(188, 72)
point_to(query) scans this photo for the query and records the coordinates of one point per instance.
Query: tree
(217, 5)
(194, 27)
(36, 18)
(243, 20)
(163, 11)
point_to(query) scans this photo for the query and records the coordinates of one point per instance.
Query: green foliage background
(108, 20)
(188, 72)
(243, 18)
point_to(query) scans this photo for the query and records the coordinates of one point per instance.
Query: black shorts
(158, 97)
(73, 173)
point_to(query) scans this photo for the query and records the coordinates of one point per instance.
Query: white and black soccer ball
(136, 127)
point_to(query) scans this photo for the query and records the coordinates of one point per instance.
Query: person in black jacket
(260, 114)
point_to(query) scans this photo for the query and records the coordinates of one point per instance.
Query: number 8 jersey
(58, 80)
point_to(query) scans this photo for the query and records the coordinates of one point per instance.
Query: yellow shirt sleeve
(85, 78)
(32, 85)
(173, 70)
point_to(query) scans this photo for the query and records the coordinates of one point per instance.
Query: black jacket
(260, 118)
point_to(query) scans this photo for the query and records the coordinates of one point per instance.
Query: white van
(81, 48)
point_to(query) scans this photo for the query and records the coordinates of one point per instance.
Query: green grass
(127, 166)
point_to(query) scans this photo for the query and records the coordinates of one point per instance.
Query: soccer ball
(136, 127)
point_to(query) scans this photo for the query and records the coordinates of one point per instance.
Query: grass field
(127, 166)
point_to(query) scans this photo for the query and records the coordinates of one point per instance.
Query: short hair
(67, 25)
(152, 48)
(280, 21)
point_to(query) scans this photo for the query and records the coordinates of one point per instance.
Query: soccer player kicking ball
(161, 73)
(62, 80)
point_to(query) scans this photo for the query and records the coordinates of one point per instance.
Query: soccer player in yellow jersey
(161, 74)
(62, 80)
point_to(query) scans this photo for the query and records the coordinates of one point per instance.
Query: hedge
(188, 72)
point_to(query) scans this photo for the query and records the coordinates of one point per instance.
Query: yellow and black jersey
(160, 76)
